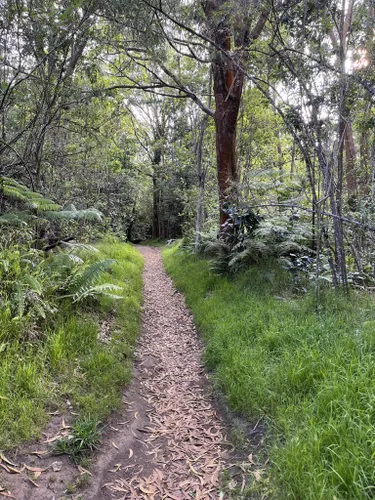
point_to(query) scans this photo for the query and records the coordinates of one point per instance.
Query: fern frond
(89, 276)
(90, 214)
(103, 289)
(32, 284)
(287, 247)
(17, 219)
(80, 246)
(19, 298)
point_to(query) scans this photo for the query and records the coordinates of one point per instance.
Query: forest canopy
(252, 119)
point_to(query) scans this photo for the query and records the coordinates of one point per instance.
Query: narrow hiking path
(173, 445)
(167, 441)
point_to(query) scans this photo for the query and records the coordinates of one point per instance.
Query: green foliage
(84, 439)
(254, 239)
(306, 373)
(34, 285)
(82, 283)
(45, 362)
(13, 190)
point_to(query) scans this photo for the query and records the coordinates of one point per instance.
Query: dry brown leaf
(83, 471)
(257, 475)
(35, 469)
(7, 494)
(145, 490)
(4, 467)
(33, 482)
(64, 426)
(41, 452)
(52, 439)
(116, 469)
(6, 460)
(16, 471)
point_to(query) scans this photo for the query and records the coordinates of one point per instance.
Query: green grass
(83, 440)
(309, 374)
(65, 360)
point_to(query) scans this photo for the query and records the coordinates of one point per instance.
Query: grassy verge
(65, 362)
(309, 374)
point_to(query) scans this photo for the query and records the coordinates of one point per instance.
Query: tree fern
(41, 208)
(90, 214)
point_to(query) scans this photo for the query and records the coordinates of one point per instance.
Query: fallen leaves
(257, 475)
(54, 438)
(30, 473)
(83, 471)
(6, 460)
(35, 469)
(184, 447)
(40, 452)
(33, 483)
(7, 494)
(116, 468)
(183, 438)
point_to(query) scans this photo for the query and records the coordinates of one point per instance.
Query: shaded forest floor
(167, 440)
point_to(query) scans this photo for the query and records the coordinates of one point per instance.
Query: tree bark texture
(228, 28)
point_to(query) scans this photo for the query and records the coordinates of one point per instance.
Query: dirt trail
(167, 442)
(174, 447)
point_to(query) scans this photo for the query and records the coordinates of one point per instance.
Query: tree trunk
(228, 78)
(350, 160)
(228, 85)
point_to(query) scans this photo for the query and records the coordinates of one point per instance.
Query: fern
(82, 284)
(90, 215)
(39, 208)
(255, 239)
(91, 274)
(19, 300)
(30, 298)
(255, 251)
(91, 292)
(16, 219)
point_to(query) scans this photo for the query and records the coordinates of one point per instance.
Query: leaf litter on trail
(184, 438)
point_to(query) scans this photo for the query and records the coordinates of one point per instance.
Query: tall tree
(229, 25)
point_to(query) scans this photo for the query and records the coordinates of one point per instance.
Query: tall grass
(309, 374)
(64, 361)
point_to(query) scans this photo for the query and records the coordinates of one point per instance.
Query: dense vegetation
(304, 375)
(57, 354)
(171, 116)
(245, 127)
